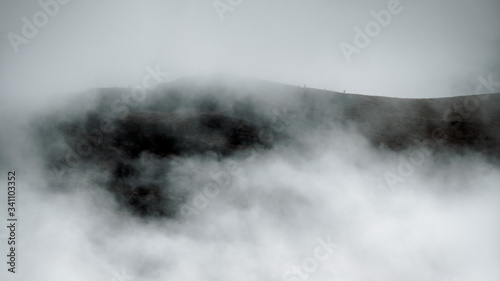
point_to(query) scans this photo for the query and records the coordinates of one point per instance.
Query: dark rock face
(196, 116)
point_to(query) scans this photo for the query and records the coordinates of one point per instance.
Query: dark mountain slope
(112, 130)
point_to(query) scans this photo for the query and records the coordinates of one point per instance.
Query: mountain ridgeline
(134, 139)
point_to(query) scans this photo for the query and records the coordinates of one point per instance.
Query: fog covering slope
(228, 178)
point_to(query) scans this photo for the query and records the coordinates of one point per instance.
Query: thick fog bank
(319, 203)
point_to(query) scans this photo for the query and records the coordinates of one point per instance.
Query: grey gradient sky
(430, 49)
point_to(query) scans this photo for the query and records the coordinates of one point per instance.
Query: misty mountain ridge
(114, 130)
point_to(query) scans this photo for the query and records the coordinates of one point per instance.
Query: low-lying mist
(311, 199)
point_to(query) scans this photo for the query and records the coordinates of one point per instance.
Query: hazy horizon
(427, 50)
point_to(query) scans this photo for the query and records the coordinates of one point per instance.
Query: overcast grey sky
(428, 49)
